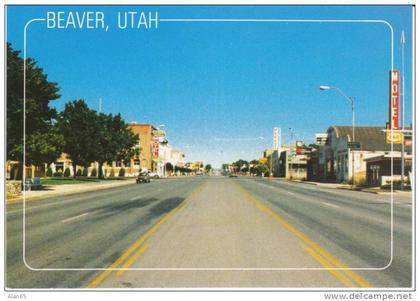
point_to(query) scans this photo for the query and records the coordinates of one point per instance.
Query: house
(339, 160)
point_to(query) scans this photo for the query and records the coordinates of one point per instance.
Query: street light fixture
(351, 101)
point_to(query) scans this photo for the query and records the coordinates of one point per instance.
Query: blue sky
(218, 87)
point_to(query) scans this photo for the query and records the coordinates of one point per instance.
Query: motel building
(338, 162)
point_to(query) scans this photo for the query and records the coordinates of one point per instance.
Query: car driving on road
(143, 177)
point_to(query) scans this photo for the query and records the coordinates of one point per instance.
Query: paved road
(89, 230)
(213, 232)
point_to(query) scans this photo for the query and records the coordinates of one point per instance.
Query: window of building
(127, 164)
(117, 163)
(59, 166)
(136, 162)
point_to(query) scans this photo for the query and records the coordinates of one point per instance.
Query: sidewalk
(376, 190)
(68, 189)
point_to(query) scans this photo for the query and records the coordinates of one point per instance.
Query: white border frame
(206, 269)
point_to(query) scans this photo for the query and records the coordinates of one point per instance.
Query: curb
(87, 189)
(303, 182)
(345, 188)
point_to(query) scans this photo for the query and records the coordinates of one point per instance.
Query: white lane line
(74, 217)
(330, 205)
(64, 202)
(291, 193)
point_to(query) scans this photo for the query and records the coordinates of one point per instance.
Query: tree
(115, 141)
(262, 169)
(43, 140)
(78, 124)
(67, 172)
(121, 173)
(208, 167)
(240, 165)
(49, 172)
(169, 167)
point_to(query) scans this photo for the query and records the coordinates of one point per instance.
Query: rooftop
(371, 138)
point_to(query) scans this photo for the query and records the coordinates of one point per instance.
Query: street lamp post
(164, 151)
(402, 110)
(351, 100)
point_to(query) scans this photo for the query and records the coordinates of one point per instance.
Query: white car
(154, 175)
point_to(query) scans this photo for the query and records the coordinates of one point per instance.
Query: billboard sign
(394, 99)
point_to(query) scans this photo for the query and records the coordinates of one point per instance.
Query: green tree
(49, 172)
(262, 169)
(85, 172)
(79, 126)
(240, 165)
(67, 172)
(208, 167)
(169, 167)
(121, 173)
(115, 141)
(43, 140)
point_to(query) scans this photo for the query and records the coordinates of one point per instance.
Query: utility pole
(402, 110)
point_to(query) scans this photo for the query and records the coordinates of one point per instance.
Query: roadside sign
(394, 99)
(395, 137)
(353, 145)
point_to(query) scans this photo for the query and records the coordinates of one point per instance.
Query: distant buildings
(335, 160)
(155, 154)
(147, 133)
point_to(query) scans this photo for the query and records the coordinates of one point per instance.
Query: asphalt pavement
(212, 232)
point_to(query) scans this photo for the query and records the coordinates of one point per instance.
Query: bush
(121, 173)
(67, 172)
(58, 174)
(85, 172)
(49, 172)
(79, 172)
(94, 172)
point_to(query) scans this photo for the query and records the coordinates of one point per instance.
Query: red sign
(155, 147)
(394, 99)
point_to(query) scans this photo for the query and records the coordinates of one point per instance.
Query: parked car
(32, 184)
(143, 177)
(232, 175)
(154, 175)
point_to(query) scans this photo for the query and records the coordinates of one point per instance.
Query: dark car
(232, 175)
(143, 177)
(32, 184)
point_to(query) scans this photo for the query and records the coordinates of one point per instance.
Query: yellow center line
(132, 259)
(340, 276)
(313, 245)
(126, 254)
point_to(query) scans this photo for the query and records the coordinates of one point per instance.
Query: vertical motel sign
(394, 137)
(394, 100)
(276, 139)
